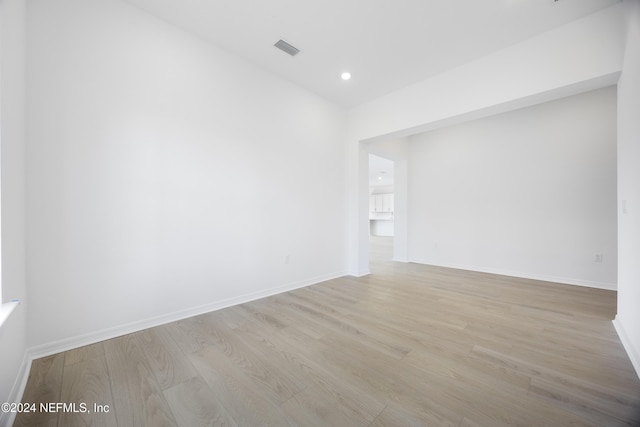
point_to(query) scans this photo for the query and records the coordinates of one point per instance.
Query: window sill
(6, 309)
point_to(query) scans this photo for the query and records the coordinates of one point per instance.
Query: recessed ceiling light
(345, 75)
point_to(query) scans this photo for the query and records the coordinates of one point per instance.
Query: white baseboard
(7, 418)
(360, 273)
(116, 331)
(533, 276)
(634, 354)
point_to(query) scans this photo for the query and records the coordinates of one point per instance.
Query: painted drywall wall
(401, 235)
(628, 317)
(13, 333)
(530, 193)
(581, 56)
(166, 176)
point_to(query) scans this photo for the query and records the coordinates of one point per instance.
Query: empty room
(186, 217)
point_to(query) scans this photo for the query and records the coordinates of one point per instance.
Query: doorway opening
(381, 208)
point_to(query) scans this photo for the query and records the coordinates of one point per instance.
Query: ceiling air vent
(287, 48)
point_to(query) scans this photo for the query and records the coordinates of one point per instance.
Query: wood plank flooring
(409, 345)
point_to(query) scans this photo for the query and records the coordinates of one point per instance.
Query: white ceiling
(380, 171)
(385, 44)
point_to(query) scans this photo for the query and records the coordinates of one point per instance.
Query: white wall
(581, 56)
(628, 319)
(165, 176)
(530, 193)
(401, 232)
(13, 333)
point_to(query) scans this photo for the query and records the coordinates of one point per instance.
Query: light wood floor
(409, 345)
